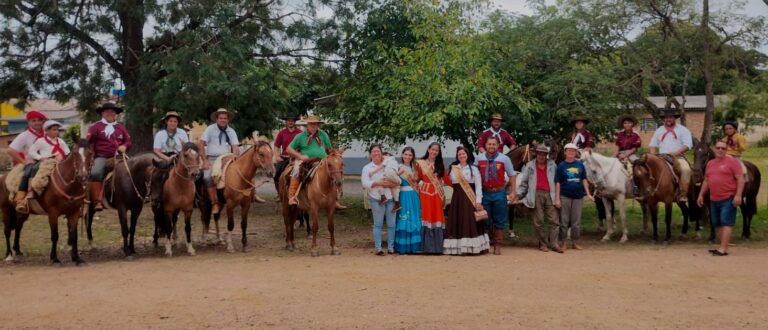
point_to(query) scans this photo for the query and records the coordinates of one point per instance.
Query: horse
(521, 156)
(64, 195)
(702, 155)
(654, 178)
(179, 195)
(126, 191)
(607, 175)
(239, 188)
(319, 191)
(303, 217)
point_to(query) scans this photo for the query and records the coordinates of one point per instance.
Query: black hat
(580, 118)
(669, 112)
(290, 116)
(626, 117)
(109, 105)
(732, 123)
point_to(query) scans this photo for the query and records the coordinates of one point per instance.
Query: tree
(198, 55)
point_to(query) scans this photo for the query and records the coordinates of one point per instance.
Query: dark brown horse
(179, 195)
(702, 155)
(239, 187)
(655, 180)
(126, 191)
(319, 192)
(64, 195)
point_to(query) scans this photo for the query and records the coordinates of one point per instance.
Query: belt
(497, 189)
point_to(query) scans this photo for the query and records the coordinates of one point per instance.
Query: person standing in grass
(724, 181)
(408, 231)
(570, 188)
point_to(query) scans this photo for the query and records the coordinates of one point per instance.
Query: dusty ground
(604, 286)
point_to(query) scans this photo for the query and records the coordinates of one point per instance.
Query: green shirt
(311, 149)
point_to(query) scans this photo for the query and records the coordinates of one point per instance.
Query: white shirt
(161, 137)
(41, 149)
(23, 141)
(367, 180)
(214, 147)
(669, 142)
(471, 175)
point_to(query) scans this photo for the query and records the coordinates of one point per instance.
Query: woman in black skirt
(464, 235)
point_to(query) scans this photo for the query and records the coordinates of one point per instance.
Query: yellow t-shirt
(736, 146)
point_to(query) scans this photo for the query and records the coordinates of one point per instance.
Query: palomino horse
(655, 179)
(702, 155)
(179, 195)
(126, 191)
(607, 175)
(238, 186)
(63, 196)
(318, 192)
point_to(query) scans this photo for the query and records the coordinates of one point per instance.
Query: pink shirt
(284, 139)
(721, 178)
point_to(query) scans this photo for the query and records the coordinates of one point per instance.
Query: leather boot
(499, 235)
(292, 200)
(96, 189)
(214, 200)
(21, 202)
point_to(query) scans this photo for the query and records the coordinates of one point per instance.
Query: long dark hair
(439, 165)
(470, 159)
(412, 165)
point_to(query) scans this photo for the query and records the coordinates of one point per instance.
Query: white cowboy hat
(216, 113)
(49, 123)
(571, 146)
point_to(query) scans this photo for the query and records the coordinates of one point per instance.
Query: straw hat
(313, 120)
(219, 111)
(495, 115)
(171, 114)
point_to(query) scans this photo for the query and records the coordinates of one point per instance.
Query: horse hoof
(192, 252)
(336, 252)
(654, 242)
(80, 263)
(605, 239)
(665, 243)
(245, 249)
(9, 258)
(168, 253)
(129, 258)
(56, 263)
(623, 240)
(289, 248)
(230, 249)
(315, 253)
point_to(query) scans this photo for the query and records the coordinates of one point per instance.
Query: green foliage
(71, 134)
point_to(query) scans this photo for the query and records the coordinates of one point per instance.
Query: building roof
(691, 101)
(50, 108)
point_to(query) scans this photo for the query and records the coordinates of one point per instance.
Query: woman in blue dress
(408, 233)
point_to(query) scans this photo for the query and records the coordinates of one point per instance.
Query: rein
(60, 190)
(189, 176)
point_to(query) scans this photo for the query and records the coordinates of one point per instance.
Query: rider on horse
(313, 143)
(19, 148)
(735, 142)
(580, 136)
(674, 140)
(49, 146)
(283, 139)
(627, 143)
(107, 138)
(501, 135)
(217, 139)
(167, 144)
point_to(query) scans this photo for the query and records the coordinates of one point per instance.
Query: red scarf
(56, 146)
(314, 137)
(669, 130)
(36, 134)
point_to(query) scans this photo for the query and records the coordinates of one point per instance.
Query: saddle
(673, 166)
(306, 172)
(219, 169)
(39, 180)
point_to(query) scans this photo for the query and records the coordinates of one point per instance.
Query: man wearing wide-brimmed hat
(313, 143)
(167, 144)
(283, 140)
(217, 139)
(537, 191)
(580, 136)
(501, 135)
(627, 143)
(107, 138)
(674, 140)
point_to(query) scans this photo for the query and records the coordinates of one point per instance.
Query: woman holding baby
(380, 198)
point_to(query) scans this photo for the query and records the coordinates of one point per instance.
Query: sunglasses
(720, 148)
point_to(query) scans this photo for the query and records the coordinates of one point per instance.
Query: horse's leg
(654, 213)
(122, 213)
(169, 229)
(685, 210)
(601, 204)
(9, 223)
(608, 213)
(175, 237)
(305, 218)
(623, 218)
(244, 208)
(646, 217)
(748, 210)
(313, 214)
(53, 221)
(157, 216)
(89, 224)
(289, 219)
(331, 212)
(230, 226)
(17, 235)
(216, 218)
(72, 220)
(135, 212)
(188, 230)
(668, 222)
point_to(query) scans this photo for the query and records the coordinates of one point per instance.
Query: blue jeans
(722, 213)
(380, 213)
(495, 203)
(98, 169)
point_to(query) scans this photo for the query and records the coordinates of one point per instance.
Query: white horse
(608, 176)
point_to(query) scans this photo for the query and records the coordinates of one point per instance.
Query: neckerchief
(56, 147)
(170, 142)
(496, 134)
(491, 163)
(669, 130)
(36, 134)
(314, 137)
(223, 133)
(730, 142)
(109, 128)
(578, 138)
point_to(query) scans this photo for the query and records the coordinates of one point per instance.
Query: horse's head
(595, 171)
(555, 150)
(702, 153)
(190, 159)
(335, 165)
(83, 157)
(642, 176)
(262, 157)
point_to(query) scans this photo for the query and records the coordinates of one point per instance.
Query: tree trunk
(139, 107)
(706, 70)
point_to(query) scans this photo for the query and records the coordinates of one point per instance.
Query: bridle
(77, 178)
(191, 169)
(332, 173)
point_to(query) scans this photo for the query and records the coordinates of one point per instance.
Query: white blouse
(41, 149)
(471, 175)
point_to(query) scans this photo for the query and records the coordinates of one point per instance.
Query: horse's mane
(189, 145)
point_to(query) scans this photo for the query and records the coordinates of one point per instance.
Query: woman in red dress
(431, 172)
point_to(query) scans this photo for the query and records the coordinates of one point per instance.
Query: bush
(763, 142)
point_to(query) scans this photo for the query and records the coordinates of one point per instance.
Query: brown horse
(655, 180)
(702, 155)
(239, 188)
(179, 195)
(318, 192)
(64, 195)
